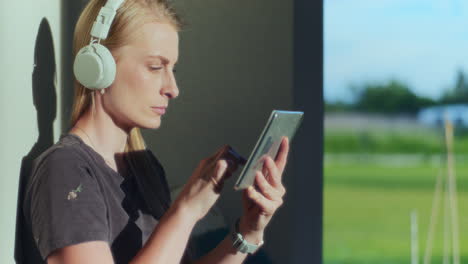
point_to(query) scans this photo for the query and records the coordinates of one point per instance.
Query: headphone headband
(104, 20)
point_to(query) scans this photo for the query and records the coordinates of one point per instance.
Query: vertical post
(414, 238)
(452, 192)
(307, 157)
(447, 229)
(434, 216)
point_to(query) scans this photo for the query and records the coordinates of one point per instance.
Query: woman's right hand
(204, 186)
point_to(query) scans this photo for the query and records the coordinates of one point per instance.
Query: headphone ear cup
(109, 67)
(94, 67)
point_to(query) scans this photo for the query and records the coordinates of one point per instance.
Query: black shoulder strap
(151, 181)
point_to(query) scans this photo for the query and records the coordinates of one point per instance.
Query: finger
(247, 203)
(219, 176)
(224, 169)
(282, 156)
(228, 171)
(265, 187)
(218, 186)
(266, 206)
(274, 177)
(265, 171)
(225, 153)
(221, 167)
(264, 167)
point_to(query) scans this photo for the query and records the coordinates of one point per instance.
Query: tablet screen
(281, 123)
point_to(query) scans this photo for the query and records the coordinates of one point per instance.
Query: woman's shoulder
(65, 152)
(65, 161)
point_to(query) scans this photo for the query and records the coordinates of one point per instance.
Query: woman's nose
(170, 88)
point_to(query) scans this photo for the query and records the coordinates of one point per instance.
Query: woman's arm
(166, 244)
(88, 252)
(169, 239)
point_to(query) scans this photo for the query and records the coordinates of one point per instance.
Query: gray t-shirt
(73, 196)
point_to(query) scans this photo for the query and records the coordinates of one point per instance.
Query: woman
(99, 196)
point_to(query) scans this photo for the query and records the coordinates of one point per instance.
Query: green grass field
(367, 211)
(381, 141)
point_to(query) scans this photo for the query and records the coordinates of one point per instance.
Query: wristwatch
(239, 243)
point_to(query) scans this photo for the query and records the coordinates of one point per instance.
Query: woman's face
(144, 78)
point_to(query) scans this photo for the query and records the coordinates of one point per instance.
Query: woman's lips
(159, 110)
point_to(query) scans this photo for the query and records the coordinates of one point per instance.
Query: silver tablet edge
(265, 129)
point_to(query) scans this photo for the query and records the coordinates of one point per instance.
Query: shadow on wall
(45, 102)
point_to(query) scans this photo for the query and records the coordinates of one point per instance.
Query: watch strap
(240, 243)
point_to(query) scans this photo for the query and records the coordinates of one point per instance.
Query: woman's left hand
(259, 206)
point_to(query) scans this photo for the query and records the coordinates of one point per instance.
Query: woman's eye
(154, 68)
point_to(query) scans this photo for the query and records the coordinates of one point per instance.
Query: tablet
(281, 123)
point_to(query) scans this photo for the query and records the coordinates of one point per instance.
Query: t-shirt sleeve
(67, 206)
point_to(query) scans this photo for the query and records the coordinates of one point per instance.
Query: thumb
(221, 167)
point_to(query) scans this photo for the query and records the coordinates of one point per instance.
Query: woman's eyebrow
(164, 59)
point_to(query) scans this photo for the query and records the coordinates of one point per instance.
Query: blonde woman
(99, 195)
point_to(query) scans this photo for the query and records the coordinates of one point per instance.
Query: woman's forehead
(156, 39)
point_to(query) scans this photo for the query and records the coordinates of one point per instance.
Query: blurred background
(238, 61)
(394, 70)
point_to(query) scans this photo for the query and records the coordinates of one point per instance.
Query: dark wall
(235, 67)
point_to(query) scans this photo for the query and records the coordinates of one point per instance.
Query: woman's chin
(152, 124)
(148, 122)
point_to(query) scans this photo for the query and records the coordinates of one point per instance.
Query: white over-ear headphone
(94, 66)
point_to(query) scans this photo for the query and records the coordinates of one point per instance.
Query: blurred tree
(392, 97)
(459, 93)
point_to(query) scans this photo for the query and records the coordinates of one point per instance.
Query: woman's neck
(99, 131)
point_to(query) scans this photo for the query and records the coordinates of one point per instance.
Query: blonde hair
(130, 16)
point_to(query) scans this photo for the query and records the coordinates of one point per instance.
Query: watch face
(237, 241)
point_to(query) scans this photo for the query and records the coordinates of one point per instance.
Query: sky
(420, 42)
